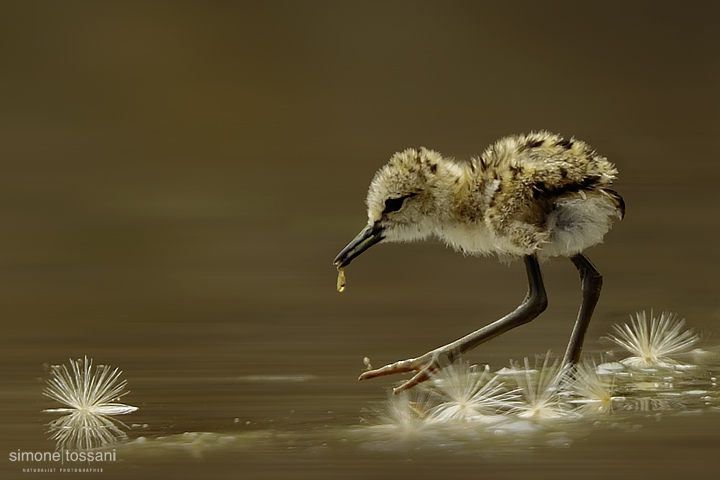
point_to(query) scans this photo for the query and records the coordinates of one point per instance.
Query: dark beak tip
(364, 240)
(339, 262)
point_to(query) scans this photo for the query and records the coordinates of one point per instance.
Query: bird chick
(528, 196)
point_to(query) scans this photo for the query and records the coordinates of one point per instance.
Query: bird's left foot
(424, 366)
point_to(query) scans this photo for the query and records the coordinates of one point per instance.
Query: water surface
(177, 177)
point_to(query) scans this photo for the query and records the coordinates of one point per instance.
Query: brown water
(177, 177)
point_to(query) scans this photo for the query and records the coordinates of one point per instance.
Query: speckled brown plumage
(536, 193)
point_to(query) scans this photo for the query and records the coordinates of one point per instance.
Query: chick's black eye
(395, 204)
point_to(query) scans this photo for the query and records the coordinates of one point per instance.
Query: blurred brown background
(176, 178)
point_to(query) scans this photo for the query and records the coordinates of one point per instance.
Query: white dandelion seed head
(82, 388)
(539, 387)
(403, 416)
(466, 393)
(652, 342)
(91, 396)
(593, 391)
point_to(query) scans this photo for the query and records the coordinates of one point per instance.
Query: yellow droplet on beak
(341, 279)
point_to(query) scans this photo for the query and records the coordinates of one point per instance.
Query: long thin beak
(371, 235)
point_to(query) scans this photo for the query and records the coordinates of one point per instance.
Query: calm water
(177, 177)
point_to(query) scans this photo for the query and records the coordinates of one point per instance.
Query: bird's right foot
(424, 366)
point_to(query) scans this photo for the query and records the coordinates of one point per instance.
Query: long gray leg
(534, 304)
(591, 282)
